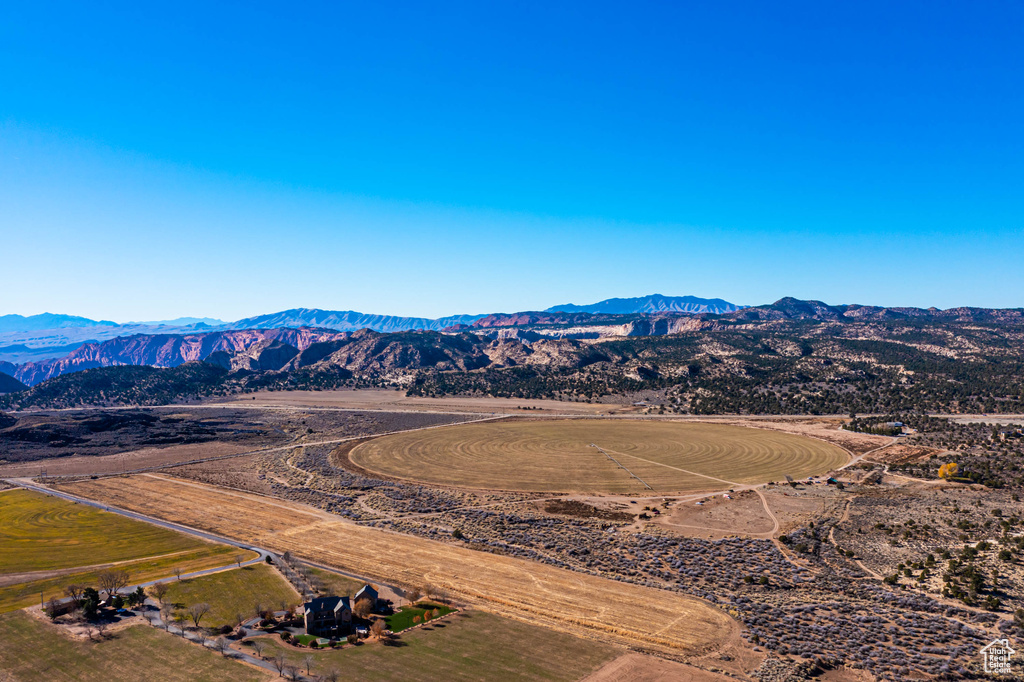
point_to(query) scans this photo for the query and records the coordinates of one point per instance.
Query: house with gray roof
(327, 616)
(367, 592)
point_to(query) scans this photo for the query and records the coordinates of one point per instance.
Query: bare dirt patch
(718, 516)
(795, 507)
(584, 511)
(902, 453)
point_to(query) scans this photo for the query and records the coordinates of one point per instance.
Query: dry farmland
(558, 456)
(513, 587)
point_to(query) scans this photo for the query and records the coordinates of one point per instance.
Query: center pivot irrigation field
(560, 456)
(513, 587)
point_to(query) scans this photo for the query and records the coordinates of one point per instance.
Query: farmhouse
(326, 616)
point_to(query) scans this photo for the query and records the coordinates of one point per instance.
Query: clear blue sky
(232, 159)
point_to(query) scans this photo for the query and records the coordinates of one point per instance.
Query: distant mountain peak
(19, 323)
(349, 320)
(653, 303)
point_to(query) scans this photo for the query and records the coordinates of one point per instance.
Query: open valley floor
(715, 544)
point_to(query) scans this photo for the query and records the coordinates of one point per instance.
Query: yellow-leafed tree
(949, 470)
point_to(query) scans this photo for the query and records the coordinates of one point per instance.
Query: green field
(470, 645)
(43, 533)
(403, 618)
(20, 595)
(34, 651)
(557, 455)
(233, 592)
(46, 538)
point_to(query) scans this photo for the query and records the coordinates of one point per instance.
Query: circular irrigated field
(558, 456)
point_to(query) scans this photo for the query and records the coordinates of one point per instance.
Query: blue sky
(232, 159)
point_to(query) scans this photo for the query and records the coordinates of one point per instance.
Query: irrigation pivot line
(619, 464)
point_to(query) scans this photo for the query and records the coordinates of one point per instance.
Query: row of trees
(84, 601)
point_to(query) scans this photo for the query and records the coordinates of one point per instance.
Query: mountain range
(41, 337)
(497, 340)
(31, 323)
(788, 357)
(349, 321)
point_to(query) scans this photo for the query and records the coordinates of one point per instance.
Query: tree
(332, 675)
(112, 581)
(307, 662)
(90, 603)
(413, 594)
(239, 558)
(177, 572)
(949, 470)
(160, 591)
(363, 608)
(166, 613)
(74, 591)
(137, 598)
(53, 608)
(258, 646)
(220, 644)
(197, 611)
(378, 628)
(291, 671)
(279, 662)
